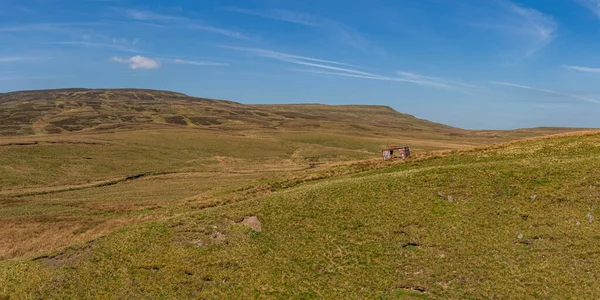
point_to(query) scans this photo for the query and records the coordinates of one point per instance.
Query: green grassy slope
(511, 221)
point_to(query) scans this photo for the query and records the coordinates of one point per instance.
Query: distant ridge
(78, 109)
(71, 110)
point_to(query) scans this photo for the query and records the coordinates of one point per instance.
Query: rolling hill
(511, 220)
(83, 110)
(154, 194)
(76, 110)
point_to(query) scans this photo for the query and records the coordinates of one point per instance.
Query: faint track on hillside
(37, 191)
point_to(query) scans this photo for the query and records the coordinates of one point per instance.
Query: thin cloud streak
(98, 45)
(142, 15)
(280, 55)
(342, 32)
(530, 30)
(373, 77)
(52, 26)
(335, 68)
(582, 69)
(11, 59)
(434, 81)
(280, 15)
(221, 31)
(592, 5)
(198, 63)
(181, 22)
(545, 91)
(321, 66)
(538, 26)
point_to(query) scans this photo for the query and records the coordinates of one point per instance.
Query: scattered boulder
(253, 222)
(448, 197)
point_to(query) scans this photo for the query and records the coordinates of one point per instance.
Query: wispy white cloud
(103, 41)
(374, 77)
(434, 81)
(536, 26)
(221, 31)
(138, 62)
(335, 68)
(592, 5)
(283, 56)
(413, 78)
(527, 30)
(198, 63)
(98, 45)
(143, 15)
(141, 62)
(51, 26)
(548, 91)
(281, 15)
(10, 59)
(582, 69)
(176, 21)
(340, 31)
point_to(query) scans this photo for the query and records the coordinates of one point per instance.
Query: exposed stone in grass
(411, 245)
(219, 236)
(446, 197)
(197, 243)
(414, 288)
(253, 222)
(153, 268)
(67, 256)
(526, 242)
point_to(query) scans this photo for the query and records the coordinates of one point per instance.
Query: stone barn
(396, 152)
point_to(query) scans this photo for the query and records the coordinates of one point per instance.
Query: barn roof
(395, 148)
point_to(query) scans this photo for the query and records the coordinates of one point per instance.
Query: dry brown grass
(36, 220)
(27, 236)
(454, 224)
(59, 189)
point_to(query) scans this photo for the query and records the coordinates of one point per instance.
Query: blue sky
(476, 64)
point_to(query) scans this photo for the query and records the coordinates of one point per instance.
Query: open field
(496, 222)
(142, 194)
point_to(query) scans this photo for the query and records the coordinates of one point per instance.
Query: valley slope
(512, 220)
(150, 185)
